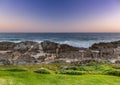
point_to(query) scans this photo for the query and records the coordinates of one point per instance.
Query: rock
(117, 62)
(105, 45)
(7, 45)
(52, 47)
(86, 61)
(49, 47)
(56, 61)
(67, 48)
(29, 52)
(26, 46)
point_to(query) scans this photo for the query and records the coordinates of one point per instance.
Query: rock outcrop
(50, 52)
(52, 47)
(7, 45)
(49, 47)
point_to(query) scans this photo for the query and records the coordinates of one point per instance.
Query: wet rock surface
(50, 52)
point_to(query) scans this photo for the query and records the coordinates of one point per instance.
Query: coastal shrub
(72, 68)
(117, 66)
(79, 68)
(92, 64)
(95, 68)
(113, 72)
(73, 72)
(15, 70)
(86, 68)
(42, 71)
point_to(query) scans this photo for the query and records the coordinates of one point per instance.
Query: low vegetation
(113, 72)
(72, 72)
(60, 74)
(15, 69)
(42, 71)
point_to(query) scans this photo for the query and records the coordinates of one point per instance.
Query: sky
(59, 15)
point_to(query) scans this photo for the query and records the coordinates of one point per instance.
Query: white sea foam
(84, 44)
(73, 39)
(75, 43)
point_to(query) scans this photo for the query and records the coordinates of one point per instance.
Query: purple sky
(59, 15)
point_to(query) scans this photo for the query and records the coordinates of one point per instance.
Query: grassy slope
(30, 78)
(8, 77)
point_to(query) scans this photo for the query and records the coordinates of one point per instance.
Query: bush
(73, 72)
(81, 68)
(116, 66)
(72, 68)
(15, 70)
(92, 64)
(113, 72)
(42, 71)
(94, 68)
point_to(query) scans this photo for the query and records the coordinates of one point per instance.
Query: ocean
(74, 39)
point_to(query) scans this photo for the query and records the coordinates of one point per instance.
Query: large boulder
(105, 45)
(49, 47)
(52, 47)
(102, 45)
(7, 45)
(26, 46)
(67, 48)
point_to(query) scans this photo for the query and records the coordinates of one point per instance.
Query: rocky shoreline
(29, 52)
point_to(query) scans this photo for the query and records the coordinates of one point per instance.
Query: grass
(25, 75)
(41, 79)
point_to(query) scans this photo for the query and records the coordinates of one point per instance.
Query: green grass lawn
(48, 79)
(25, 75)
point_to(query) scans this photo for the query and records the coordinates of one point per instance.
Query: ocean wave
(73, 39)
(84, 44)
(76, 43)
